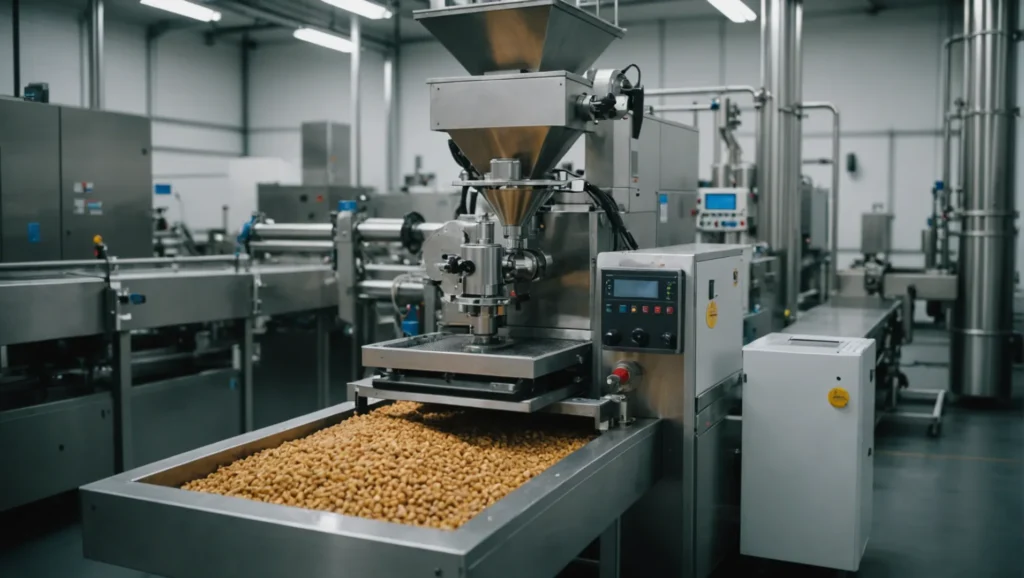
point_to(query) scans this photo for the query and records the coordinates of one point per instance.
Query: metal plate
(55, 447)
(862, 318)
(445, 353)
(42, 309)
(140, 520)
(365, 388)
(289, 289)
(186, 296)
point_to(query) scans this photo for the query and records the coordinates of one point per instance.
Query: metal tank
(983, 316)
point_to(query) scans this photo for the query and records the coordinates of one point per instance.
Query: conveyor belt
(846, 318)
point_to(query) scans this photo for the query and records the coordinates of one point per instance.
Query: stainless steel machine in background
(69, 174)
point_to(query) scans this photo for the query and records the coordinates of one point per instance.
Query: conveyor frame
(140, 519)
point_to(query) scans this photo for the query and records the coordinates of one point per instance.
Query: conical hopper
(537, 148)
(525, 35)
(513, 206)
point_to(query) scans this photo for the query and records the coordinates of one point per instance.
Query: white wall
(882, 71)
(192, 82)
(295, 82)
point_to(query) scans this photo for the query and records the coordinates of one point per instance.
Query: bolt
(438, 572)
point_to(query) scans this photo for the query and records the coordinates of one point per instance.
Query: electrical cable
(605, 202)
(639, 74)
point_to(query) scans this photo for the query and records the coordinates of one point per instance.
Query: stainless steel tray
(140, 519)
(526, 358)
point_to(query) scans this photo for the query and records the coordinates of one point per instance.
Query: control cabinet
(641, 310)
(724, 210)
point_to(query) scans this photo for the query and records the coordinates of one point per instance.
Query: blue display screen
(635, 289)
(720, 202)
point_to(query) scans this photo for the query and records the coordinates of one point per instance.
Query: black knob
(612, 337)
(669, 339)
(640, 337)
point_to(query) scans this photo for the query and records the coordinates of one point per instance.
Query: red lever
(622, 373)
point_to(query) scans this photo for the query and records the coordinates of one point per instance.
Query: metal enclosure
(814, 218)
(983, 316)
(30, 209)
(68, 174)
(807, 479)
(434, 207)
(305, 203)
(876, 233)
(326, 159)
(106, 183)
(686, 524)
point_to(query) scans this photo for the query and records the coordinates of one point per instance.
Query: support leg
(248, 351)
(609, 551)
(124, 455)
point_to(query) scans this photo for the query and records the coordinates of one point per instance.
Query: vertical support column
(324, 321)
(247, 368)
(246, 53)
(389, 132)
(16, 47)
(429, 307)
(608, 551)
(96, 31)
(981, 353)
(779, 166)
(356, 121)
(392, 94)
(124, 449)
(349, 310)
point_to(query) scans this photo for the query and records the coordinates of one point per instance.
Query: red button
(670, 310)
(657, 310)
(743, 223)
(647, 309)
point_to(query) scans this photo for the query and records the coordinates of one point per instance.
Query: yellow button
(838, 397)
(97, 239)
(632, 309)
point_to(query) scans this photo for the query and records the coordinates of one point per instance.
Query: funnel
(514, 205)
(520, 35)
(537, 148)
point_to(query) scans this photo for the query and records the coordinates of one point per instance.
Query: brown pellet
(406, 462)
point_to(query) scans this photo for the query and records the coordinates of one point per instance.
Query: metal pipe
(981, 356)
(726, 89)
(271, 231)
(96, 54)
(381, 289)
(389, 113)
(291, 246)
(833, 234)
(16, 45)
(96, 263)
(380, 229)
(942, 215)
(388, 268)
(354, 81)
(681, 108)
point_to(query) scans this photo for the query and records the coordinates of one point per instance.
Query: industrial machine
(557, 299)
(825, 388)
(83, 173)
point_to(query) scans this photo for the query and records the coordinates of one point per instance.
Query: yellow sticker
(735, 277)
(711, 315)
(838, 397)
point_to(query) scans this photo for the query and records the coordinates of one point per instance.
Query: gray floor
(952, 506)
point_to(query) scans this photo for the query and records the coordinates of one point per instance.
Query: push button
(622, 309)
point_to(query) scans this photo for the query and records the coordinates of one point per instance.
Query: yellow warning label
(838, 397)
(711, 315)
(735, 277)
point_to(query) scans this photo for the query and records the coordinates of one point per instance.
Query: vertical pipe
(941, 222)
(765, 166)
(248, 352)
(981, 355)
(124, 450)
(389, 113)
(354, 87)
(246, 53)
(96, 20)
(16, 48)
(395, 121)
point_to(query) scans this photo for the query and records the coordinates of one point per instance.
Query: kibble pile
(406, 462)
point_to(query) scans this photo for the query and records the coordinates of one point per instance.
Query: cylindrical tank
(745, 175)
(981, 362)
(721, 175)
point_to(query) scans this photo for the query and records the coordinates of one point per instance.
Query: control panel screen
(635, 289)
(720, 202)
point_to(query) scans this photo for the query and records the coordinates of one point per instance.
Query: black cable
(472, 202)
(639, 75)
(461, 209)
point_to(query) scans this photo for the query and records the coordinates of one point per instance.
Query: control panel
(642, 310)
(723, 210)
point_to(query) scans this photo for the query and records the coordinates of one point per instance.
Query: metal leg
(323, 352)
(123, 450)
(248, 350)
(609, 551)
(429, 308)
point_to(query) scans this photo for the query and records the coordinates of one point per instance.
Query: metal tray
(527, 358)
(140, 519)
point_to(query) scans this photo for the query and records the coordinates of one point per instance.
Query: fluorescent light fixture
(364, 8)
(734, 10)
(324, 39)
(184, 8)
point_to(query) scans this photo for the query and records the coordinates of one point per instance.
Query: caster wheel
(935, 430)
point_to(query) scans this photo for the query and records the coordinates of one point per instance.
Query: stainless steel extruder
(567, 297)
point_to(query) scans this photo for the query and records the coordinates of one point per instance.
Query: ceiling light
(323, 39)
(364, 8)
(734, 10)
(184, 8)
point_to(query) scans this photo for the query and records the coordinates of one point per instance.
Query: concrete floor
(952, 506)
